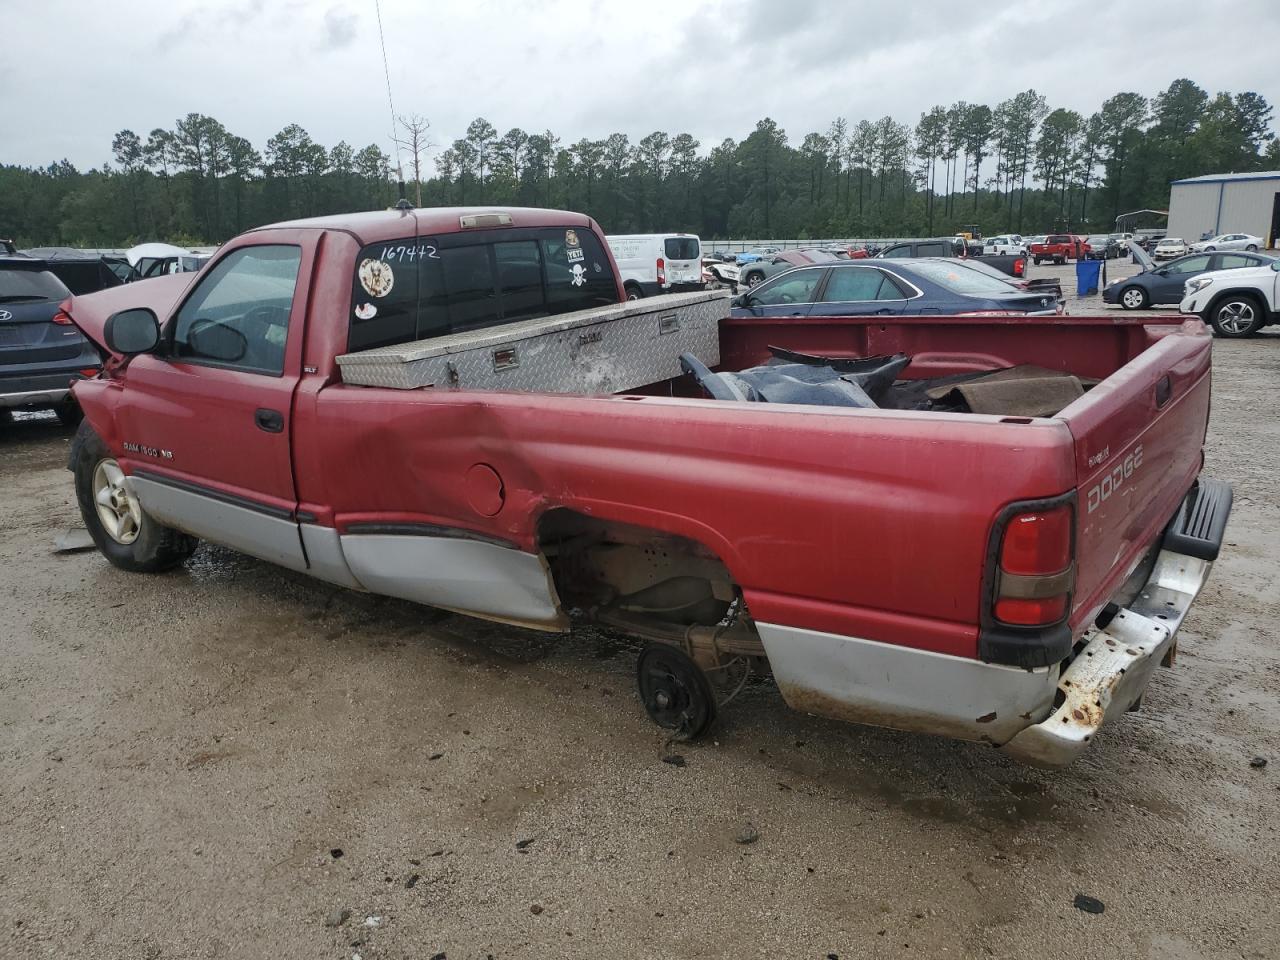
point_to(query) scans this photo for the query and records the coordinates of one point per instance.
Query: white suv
(1236, 303)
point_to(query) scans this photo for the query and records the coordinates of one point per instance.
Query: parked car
(757, 272)
(1039, 238)
(1236, 303)
(1228, 241)
(940, 572)
(901, 288)
(719, 270)
(41, 353)
(1013, 264)
(1101, 247)
(654, 263)
(1059, 248)
(1004, 245)
(160, 259)
(1169, 248)
(84, 272)
(1166, 283)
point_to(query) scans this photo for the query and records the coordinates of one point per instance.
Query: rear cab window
(423, 287)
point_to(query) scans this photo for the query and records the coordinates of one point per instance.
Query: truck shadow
(969, 786)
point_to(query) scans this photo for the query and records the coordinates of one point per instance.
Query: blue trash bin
(1087, 272)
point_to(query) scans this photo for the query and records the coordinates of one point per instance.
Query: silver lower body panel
(469, 576)
(887, 685)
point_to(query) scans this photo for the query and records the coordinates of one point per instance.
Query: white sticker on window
(574, 254)
(579, 275)
(366, 311)
(376, 277)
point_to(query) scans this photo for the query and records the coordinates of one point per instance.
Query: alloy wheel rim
(119, 512)
(1132, 298)
(1235, 317)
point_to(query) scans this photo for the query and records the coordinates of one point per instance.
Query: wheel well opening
(649, 583)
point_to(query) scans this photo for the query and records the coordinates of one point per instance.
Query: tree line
(1016, 166)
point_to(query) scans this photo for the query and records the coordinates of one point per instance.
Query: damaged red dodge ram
(987, 528)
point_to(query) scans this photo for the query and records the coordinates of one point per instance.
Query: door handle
(884, 311)
(272, 421)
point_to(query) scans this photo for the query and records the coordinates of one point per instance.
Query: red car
(960, 556)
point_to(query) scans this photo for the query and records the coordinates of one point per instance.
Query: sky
(85, 69)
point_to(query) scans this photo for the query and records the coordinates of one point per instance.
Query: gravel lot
(214, 762)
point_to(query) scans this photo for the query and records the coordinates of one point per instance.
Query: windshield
(958, 279)
(28, 284)
(682, 248)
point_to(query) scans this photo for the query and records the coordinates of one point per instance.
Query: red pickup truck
(1060, 247)
(1005, 578)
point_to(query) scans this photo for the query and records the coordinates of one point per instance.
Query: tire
(69, 413)
(1210, 249)
(1236, 316)
(634, 292)
(1036, 260)
(1252, 248)
(754, 280)
(1131, 302)
(124, 533)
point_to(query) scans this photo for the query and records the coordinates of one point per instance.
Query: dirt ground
(214, 762)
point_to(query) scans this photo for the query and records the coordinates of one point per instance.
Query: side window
(850, 284)
(1190, 265)
(795, 287)
(238, 315)
(932, 250)
(901, 250)
(1232, 261)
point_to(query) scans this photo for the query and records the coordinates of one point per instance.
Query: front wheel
(1037, 261)
(1237, 316)
(754, 280)
(1134, 298)
(126, 534)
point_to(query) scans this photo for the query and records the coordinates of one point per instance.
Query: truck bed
(860, 485)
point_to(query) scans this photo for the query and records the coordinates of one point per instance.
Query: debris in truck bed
(792, 377)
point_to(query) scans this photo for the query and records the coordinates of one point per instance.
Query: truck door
(205, 422)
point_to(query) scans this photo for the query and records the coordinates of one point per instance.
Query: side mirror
(739, 301)
(217, 341)
(1275, 265)
(131, 332)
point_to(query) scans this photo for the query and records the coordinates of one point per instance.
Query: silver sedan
(1228, 241)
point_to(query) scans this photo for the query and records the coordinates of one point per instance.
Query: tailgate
(1138, 443)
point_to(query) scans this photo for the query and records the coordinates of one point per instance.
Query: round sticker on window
(376, 277)
(366, 311)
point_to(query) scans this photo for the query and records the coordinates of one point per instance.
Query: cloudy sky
(77, 71)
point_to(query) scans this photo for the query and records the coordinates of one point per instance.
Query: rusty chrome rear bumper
(1108, 676)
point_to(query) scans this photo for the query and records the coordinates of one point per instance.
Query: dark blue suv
(41, 353)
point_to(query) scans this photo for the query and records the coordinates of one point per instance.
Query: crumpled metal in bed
(790, 377)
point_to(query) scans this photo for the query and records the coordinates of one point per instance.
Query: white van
(653, 263)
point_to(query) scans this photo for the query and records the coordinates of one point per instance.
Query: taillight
(1019, 267)
(62, 318)
(1035, 571)
(89, 372)
(662, 271)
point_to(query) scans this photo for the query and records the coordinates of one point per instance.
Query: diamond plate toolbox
(603, 350)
